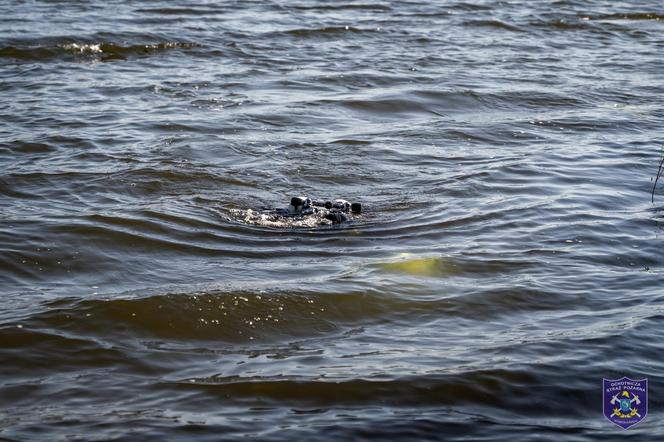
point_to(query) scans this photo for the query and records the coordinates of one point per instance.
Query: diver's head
(336, 217)
(341, 205)
(299, 203)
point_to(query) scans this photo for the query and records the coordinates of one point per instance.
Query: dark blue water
(508, 258)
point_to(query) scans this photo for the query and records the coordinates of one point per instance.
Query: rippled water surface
(508, 257)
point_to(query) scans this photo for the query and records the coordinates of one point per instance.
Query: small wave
(627, 16)
(562, 24)
(41, 352)
(83, 48)
(29, 147)
(102, 51)
(180, 11)
(533, 99)
(412, 103)
(279, 314)
(111, 50)
(372, 7)
(507, 389)
(324, 32)
(224, 316)
(466, 6)
(497, 24)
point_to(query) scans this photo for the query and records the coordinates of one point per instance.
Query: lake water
(508, 258)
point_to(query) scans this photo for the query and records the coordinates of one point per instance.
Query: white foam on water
(257, 218)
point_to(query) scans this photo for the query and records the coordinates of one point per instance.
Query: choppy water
(509, 257)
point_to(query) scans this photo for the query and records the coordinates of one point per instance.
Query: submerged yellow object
(427, 266)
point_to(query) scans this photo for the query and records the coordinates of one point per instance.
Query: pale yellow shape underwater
(420, 266)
